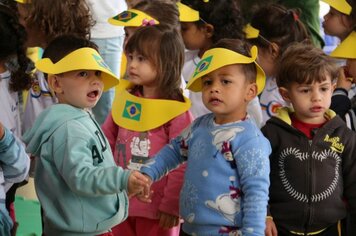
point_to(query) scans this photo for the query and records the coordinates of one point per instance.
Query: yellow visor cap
(216, 58)
(133, 18)
(80, 59)
(251, 32)
(340, 5)
(347, 48)
(187, 14)
(23, 1)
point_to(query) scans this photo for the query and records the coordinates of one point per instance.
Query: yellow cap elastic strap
(187, 14)
(340, 5)
(347, 48)
(133, 18)
(216, 58)
(81, 59)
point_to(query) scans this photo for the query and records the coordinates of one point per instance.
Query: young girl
(204, 23)
(341, 18)
(278, 27)
(44, 20)
(150, 112)
(15, 77)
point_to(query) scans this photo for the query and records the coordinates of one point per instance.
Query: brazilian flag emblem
(203, 65)
(125, 16)
(132, 111)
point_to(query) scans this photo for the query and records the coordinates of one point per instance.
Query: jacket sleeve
(253, 169)
(349, 179)
(170, 200)
(73, 158)
(110, 130)
(15, 162)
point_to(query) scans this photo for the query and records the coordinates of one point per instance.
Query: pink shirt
(130, 148)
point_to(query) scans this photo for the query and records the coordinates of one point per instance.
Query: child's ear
(284, 93)
(251, 92)
(55, 84)
(209, 30)
(274, 50)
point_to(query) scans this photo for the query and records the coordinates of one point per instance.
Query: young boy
(312, 162)
(340, 102)
(14, 166)
(81, 190)
(225, 189)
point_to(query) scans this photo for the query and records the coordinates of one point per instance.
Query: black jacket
(311, 178)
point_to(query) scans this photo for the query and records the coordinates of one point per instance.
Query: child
(13, 168)
(341, 18)
(340, 102)
(14, 78)
(226, 182)
(44, 20)
(203, 23)
(150, 112)
(278, 27)
(79, 187)
(312, 163)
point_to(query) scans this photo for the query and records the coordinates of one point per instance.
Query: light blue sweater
(226, 180)
(81, 190)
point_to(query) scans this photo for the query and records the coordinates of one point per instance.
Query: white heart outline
(294, 152)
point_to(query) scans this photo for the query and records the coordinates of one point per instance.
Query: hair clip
(146, 22)
(294, 15)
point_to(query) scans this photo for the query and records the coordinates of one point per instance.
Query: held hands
(271, 229)
(139, 186)
(344, 81)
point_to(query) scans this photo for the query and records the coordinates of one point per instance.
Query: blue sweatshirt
(81, 190)
(226, 182)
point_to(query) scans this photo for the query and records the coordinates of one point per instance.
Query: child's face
(226, 93)
(351, 67)
(310, 101)
(336, 24)
(140, 70)
(266, 61)
(194, 38)
(79, 88)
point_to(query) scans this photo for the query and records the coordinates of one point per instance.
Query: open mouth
(215, 100)
(93, 94)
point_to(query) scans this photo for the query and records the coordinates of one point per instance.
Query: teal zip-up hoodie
(81, 190)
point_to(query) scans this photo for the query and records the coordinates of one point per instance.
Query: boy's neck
(307, 128)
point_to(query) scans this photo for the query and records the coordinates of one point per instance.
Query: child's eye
(83, 74)
(225, 81)
(141, 58)
(98, 73)
(304, 90)
(206, 82)
(325, 89)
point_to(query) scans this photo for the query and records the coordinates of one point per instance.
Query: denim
(110, 49)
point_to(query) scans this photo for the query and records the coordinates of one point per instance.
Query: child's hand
(345, 80)
(271, 229)
(167, 221)
(2, 131)
(138, 184)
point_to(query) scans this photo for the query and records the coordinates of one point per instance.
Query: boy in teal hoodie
(81, 190)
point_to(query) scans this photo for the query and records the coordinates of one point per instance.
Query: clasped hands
(139, 186)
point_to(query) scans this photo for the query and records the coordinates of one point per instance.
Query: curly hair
(55, 17)
(164, 48)
(224, 15)
(279, 25)
(13, 50)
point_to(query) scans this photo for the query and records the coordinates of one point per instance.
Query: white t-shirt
(102, 11)
(10, 107)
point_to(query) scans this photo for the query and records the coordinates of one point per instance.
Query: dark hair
(241, 47)
(12, 49)
(166, 12)
(63, 45)
(164, 48)
(353, 12)
(279, 25)
(55, 17)
(303, 63)
(224, 15)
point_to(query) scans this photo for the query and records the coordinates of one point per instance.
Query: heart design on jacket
(303, 156)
